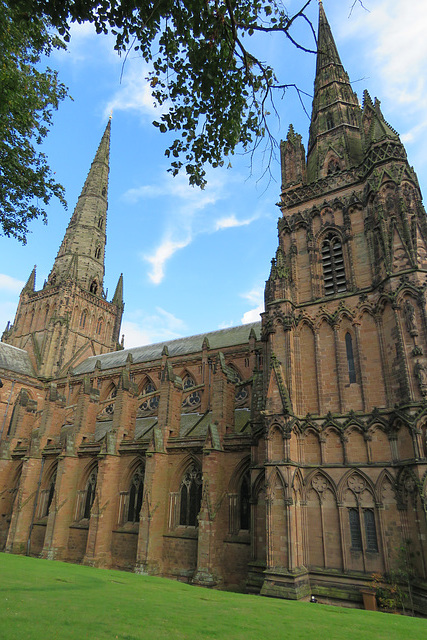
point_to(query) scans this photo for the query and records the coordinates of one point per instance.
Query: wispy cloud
(134, 93)
(143, 328)
(8, 283)
(231, 221)
(162, 254)
(395, 30)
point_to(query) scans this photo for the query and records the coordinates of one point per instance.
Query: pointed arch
(192, 400)
(86, 494)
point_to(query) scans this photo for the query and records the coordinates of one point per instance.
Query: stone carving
(356, 484)
(319, 483)
(420, 371)
(410, 320)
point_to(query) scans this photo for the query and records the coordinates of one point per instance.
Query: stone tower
(344, 327)
(70, 318)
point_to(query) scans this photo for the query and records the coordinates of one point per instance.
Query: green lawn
(42, 599)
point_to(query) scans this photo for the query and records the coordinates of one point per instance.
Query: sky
(196, 261)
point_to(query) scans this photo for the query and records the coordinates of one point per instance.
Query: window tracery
(151, 404)
(192, 400)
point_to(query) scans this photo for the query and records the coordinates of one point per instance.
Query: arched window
(244, 502)
(151, 404)
(190, 497)
(350, 358)
(370, 530)
(89, 494)
(355, 532)
(109, 409)
(83, 318)
(100, 223)
(97, 252)
(93, 287)
(50, 494)
(99, 326)
(136, 493)
(329, 121)
(333, 265)
(192, 400)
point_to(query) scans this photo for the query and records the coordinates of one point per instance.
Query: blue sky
(194, 261)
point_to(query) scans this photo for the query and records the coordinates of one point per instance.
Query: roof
(193, 425)
(182, 346)
(16, 360)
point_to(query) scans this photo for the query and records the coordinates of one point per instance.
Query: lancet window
(244, 502)
(86, 497)
(136, 493)
(350, 358)
(333, 265)
(190, 497)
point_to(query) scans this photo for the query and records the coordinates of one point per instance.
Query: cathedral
(286, 457)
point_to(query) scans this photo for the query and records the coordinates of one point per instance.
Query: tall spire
(81, 254)
(335, 134)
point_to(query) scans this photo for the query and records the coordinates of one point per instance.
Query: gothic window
(151, 404)
(83, 319)
(87, 497)
(50, 495)
(333, 265)
(244, 504)
(329, 121)
(99, 326)
(93, 287)
(370, 530)
(241, 394)
(104, 191)
(350, 358)
(97, 252)
(192, 400)
(136, 492)
(100, 221)
(355, 532)
(109, 409)
(190, 497)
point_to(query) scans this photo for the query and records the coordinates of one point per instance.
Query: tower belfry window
(333, 265)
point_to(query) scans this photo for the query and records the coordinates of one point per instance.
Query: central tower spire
(335, 141)
(81, 254)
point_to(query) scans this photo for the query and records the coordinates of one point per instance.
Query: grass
(41, 599)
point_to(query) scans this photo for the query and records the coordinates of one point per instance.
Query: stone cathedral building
(286, 457)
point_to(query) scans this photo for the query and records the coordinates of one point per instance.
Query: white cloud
(253, 315)
(143, 328)
(8, 283)
(134, 92)
(395, 31)
(256, 297)
(231, 221)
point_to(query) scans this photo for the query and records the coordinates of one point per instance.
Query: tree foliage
(28, 96)
(214, 91)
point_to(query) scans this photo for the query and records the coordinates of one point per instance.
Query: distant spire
(30, 285)
(118, 294)
(336, 115)
(81, 254)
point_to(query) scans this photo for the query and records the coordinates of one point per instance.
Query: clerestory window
(333, 265)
